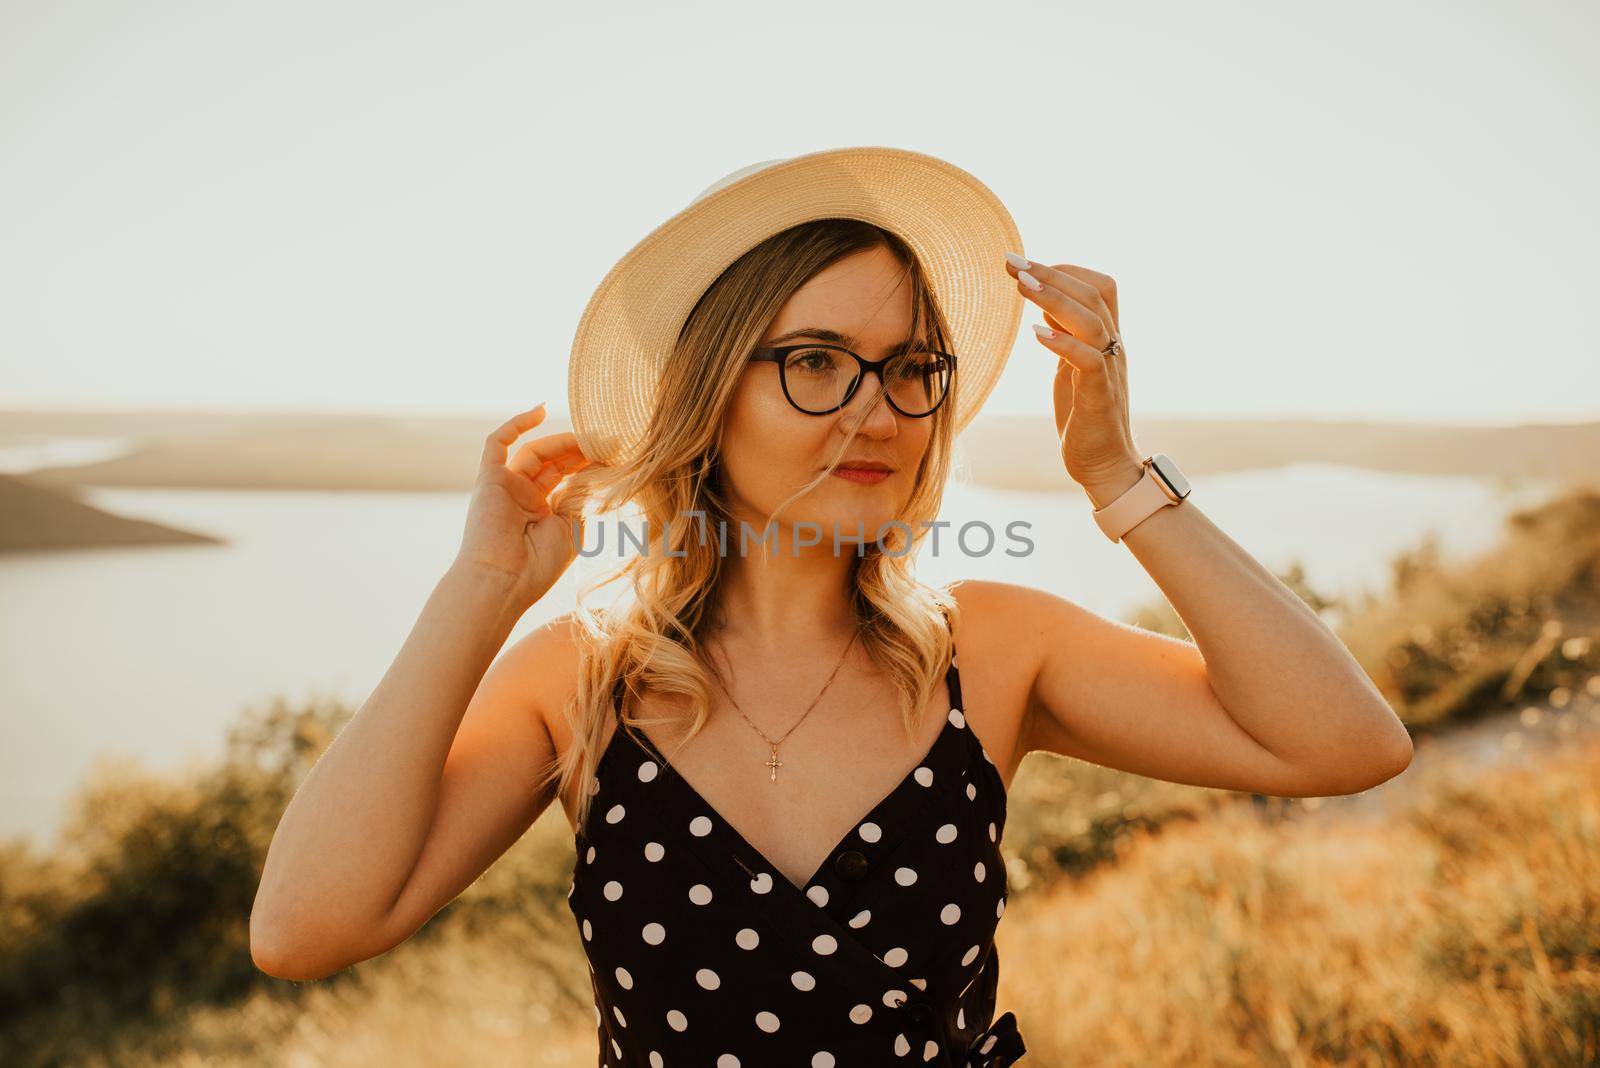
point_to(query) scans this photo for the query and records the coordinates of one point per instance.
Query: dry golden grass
(1463, 929)
(470, 1000)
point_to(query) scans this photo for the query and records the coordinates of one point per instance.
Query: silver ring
(1113, 349)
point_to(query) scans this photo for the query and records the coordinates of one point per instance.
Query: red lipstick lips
(863, 471)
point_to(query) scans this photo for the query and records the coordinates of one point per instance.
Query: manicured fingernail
(1030, 281)
(1043, 331)
(1017, 261)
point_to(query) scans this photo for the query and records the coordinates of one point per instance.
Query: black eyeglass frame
(780, 355)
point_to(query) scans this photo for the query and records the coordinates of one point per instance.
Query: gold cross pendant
(774, 764)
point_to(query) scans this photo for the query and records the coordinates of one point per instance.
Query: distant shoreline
(40, 518)
(389, 454)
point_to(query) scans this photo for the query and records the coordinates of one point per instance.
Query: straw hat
(956, 226)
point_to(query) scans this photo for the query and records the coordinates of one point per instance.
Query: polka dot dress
(702, 954)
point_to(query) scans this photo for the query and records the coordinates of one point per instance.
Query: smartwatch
(1163, 484)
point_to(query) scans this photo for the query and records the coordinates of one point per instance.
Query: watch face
(1169, 473)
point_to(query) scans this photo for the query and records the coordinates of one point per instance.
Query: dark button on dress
(702, 954)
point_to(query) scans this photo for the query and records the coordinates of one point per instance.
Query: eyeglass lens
(818, 380)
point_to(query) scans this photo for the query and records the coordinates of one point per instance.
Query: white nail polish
(1043, 331)
(1019, 262)
(1030, 281)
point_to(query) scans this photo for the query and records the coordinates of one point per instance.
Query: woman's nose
(870, 405)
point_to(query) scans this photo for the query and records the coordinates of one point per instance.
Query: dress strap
(952, 674)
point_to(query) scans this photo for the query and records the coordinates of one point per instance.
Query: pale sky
(1327, 211)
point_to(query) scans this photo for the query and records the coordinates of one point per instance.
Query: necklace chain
(772, 762)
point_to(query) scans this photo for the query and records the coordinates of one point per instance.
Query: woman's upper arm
(1128, 698)
(489, 791)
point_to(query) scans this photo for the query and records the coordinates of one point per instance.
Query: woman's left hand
(1091, 387)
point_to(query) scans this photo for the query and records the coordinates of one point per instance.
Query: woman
(787, 789)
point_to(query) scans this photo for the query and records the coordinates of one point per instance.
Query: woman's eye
(814, 361)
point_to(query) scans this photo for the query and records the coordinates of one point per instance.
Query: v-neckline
(739, 838)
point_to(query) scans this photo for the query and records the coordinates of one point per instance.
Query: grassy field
(1450, 916)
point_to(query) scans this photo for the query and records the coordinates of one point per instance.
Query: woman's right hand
(511, 530)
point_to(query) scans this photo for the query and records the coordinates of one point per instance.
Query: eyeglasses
(818, 379)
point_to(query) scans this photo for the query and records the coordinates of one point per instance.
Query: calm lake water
(150, 653)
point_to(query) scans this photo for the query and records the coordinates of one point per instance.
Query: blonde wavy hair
(654, 644)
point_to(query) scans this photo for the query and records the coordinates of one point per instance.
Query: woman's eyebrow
(822, 333)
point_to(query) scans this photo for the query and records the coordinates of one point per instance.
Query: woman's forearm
(1277, 668)
(350, 837)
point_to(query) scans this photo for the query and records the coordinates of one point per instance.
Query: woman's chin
(858, 523)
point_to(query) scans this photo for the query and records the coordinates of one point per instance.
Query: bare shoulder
(999, 643)
(543, 666)
(1003, 616)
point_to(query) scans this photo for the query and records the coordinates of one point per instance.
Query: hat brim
(957, 227)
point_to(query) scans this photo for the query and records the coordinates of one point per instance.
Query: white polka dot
(950, 913)
(991, 831)
(616, 1047)
(870, 832)
(924, 776)
(612, 890)
(647, 771)
(961, 1019)
(700, 894)
(588, 932)
(901, 1046)
(624, 979)
(861, 1014)
(654, 933)
(972, 792)
(803, 981)
(824, 944)
(708, 978)
(653, 851)
(767, 1021)
(727, 1060)
(762, 883)
(957, 718)
(978, 871)
(818, 894)
(895, 957)
(614, 814)
(824, 1059)
(930, 1050)
(617, 1012)
(946, 834)
(700, 826)
(594, 786)
(859, 920)
(589, 858)
(920, 984)
(747, 938)
(677, 1020)
(971, 955)
(952, 659)
(656, 1061)
(894, 998)
(988, 1043)
(905, 876)
(1000, 909)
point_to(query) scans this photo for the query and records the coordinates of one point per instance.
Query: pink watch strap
(1141, 500)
